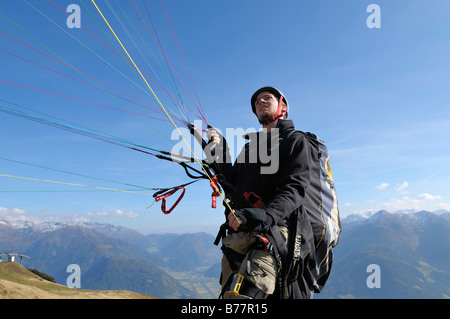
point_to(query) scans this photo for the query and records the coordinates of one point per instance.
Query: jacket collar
(283, 126)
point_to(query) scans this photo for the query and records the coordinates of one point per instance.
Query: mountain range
(110, 257)
(411, 250)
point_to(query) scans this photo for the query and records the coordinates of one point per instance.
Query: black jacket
(279, 183)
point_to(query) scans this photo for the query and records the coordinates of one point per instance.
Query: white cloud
(13, 214)
(75, 218)
(444, 206)
(17, 214)
(6, 212)
(382, 186)
(116, 213)
(401, 187)
(421, 202)
(427, 197)
(362, 212)
(98, 214)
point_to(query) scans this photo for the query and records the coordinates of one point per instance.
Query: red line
(78, 70)
(155, 109)
(121, 55)
(162, 51)
(184, 61)
(79, 100)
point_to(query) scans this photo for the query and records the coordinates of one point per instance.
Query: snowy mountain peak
(44, 226)
(52, 225)
(412, 214)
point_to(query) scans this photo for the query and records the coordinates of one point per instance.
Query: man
(263, 201)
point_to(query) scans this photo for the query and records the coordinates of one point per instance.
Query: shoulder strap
(290, 133)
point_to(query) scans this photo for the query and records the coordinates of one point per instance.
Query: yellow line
(160, 104)
(72, 184)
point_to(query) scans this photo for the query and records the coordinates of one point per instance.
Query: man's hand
(249, 219)
(213, 136)
(233, 221)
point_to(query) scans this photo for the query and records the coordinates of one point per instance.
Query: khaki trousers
(259, 267)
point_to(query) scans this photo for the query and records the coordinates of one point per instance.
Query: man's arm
(293, 179)
(221, 155)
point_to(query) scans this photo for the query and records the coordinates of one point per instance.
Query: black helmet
(277, 93)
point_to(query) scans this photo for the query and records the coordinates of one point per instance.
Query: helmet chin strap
(278, 114)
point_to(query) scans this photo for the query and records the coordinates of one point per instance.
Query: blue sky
(378, 97)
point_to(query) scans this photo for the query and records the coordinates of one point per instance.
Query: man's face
(266, 106)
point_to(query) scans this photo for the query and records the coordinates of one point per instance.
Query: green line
(76, 174)
(154, 57)
(60, 58)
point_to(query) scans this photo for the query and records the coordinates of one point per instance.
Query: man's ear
(284, 110)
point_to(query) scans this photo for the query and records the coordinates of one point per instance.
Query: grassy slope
(17, 282)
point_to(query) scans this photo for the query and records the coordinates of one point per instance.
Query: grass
(17, 282)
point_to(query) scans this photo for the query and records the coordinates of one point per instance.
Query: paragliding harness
(304, 265)
(300, 265)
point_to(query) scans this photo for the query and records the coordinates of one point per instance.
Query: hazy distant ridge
(412, 250)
